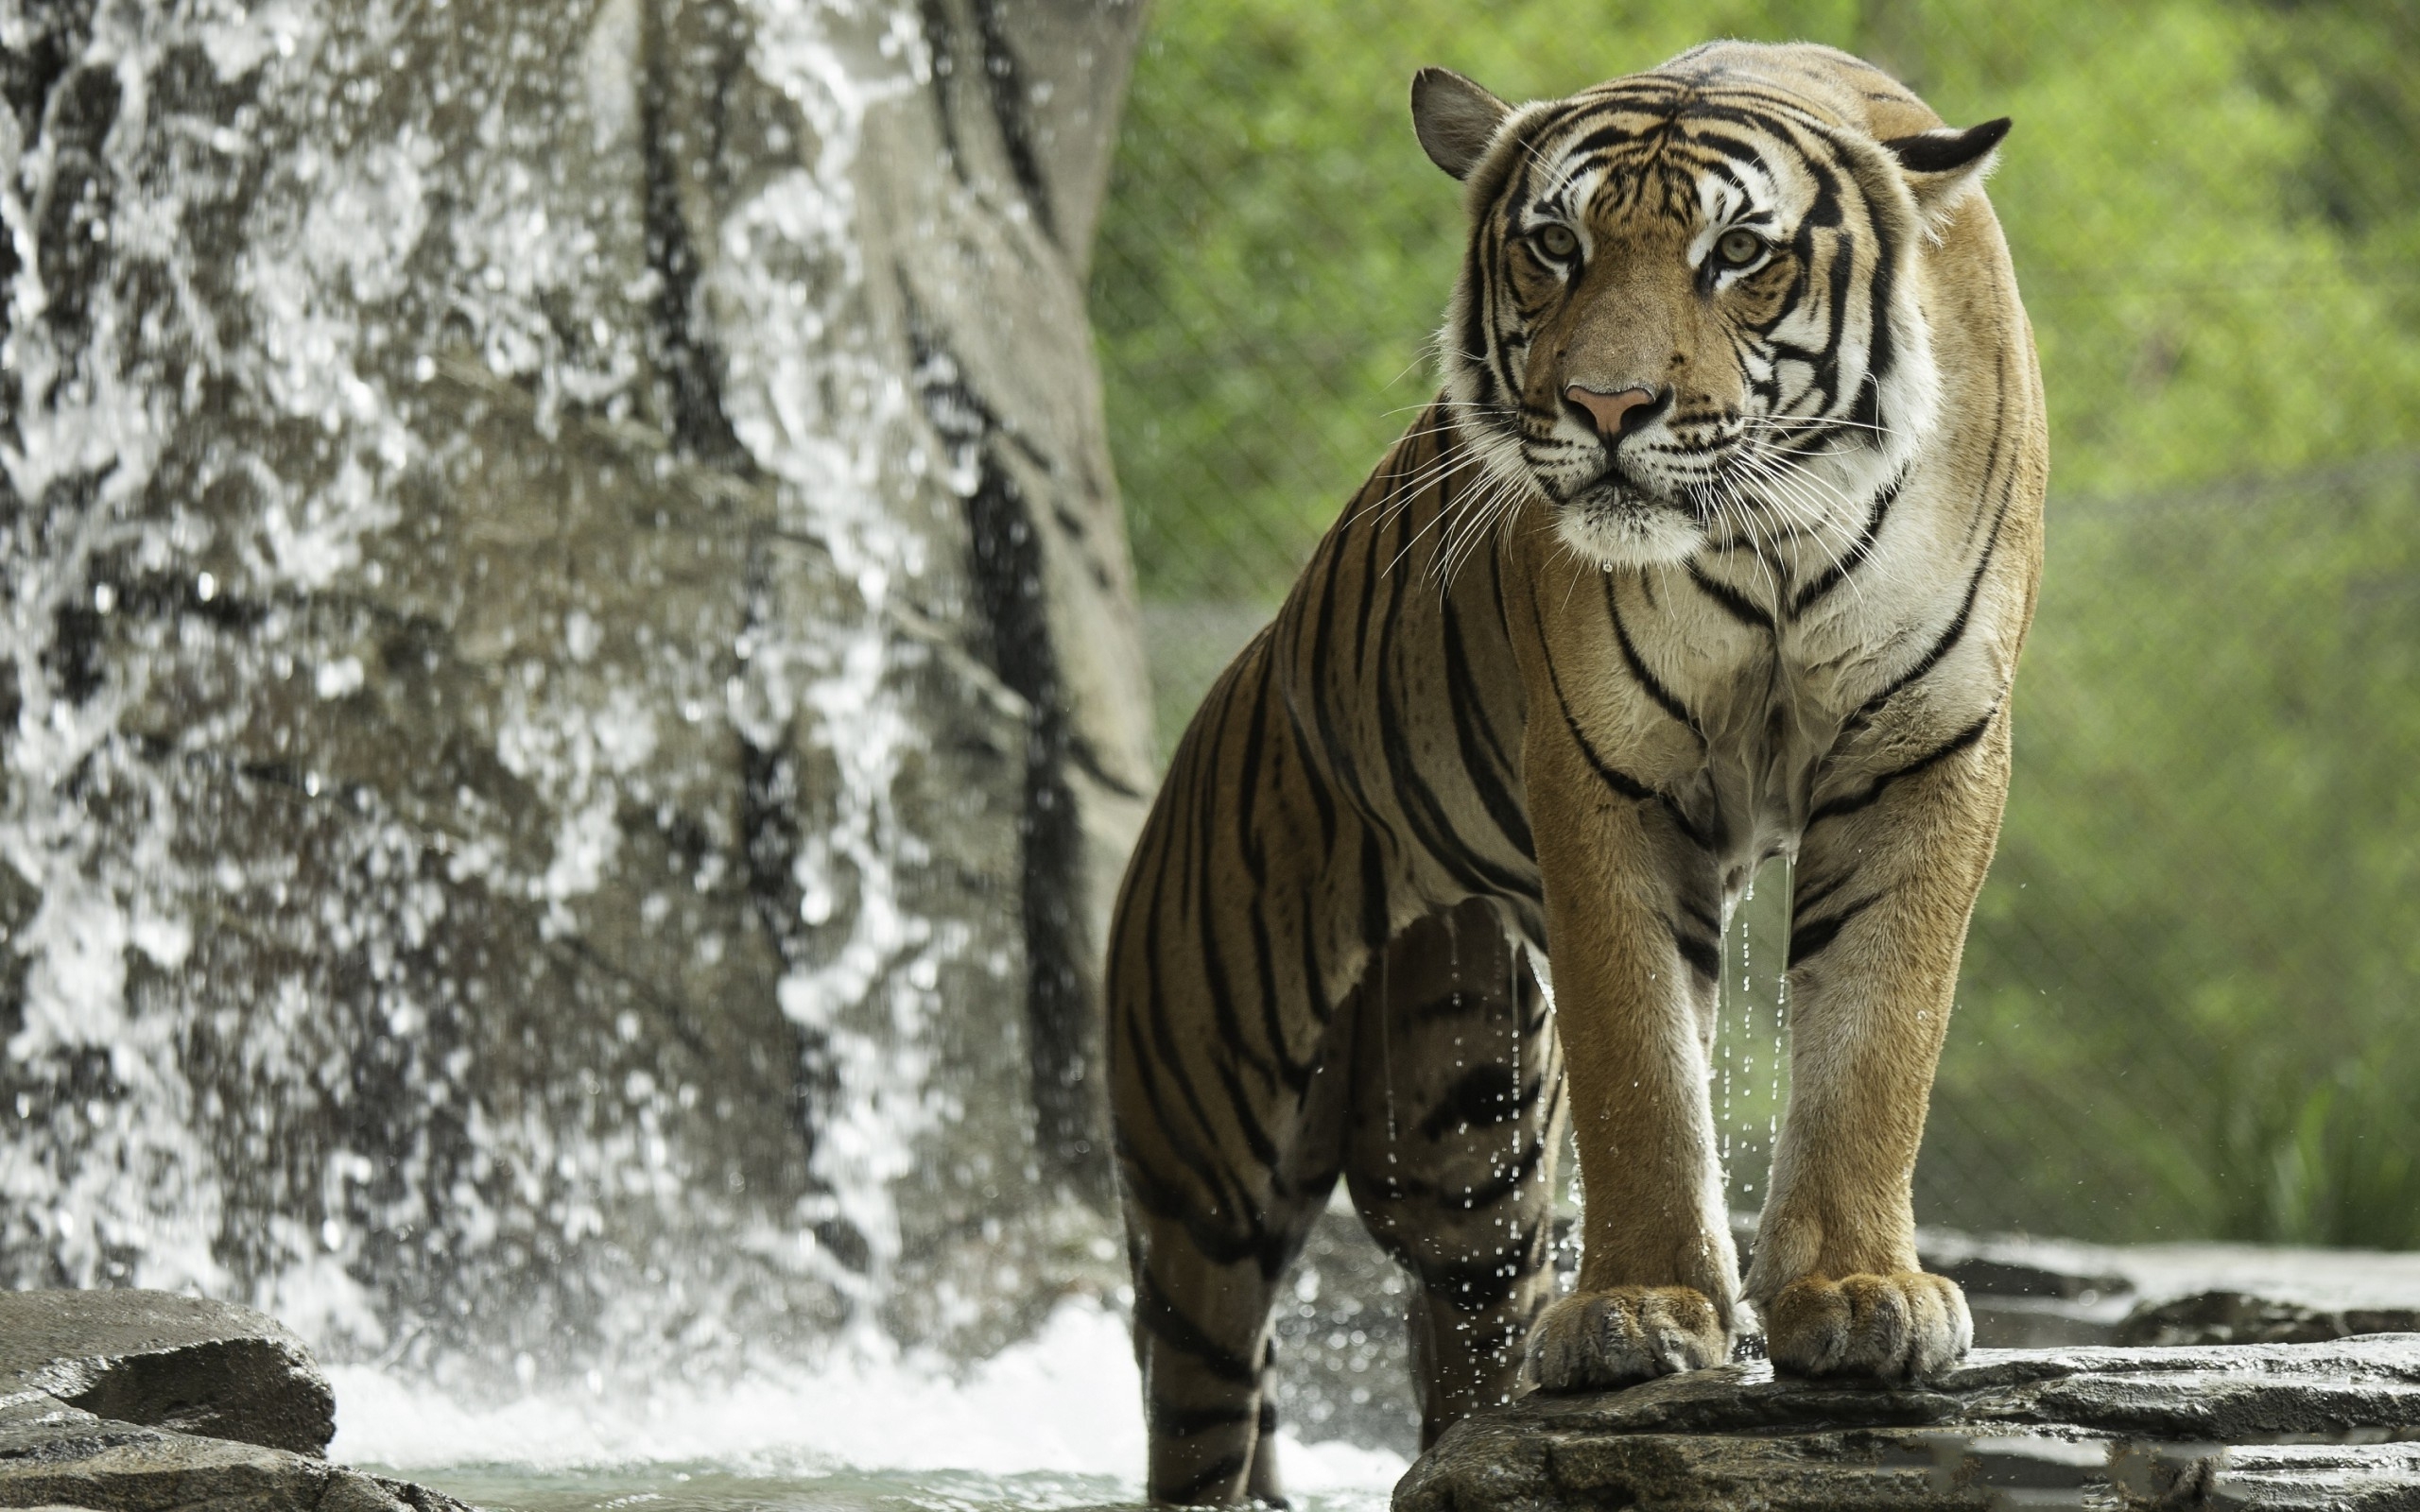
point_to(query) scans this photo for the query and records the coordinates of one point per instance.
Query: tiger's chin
(1630, 531)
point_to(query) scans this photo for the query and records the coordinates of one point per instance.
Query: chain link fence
(2187, 1004)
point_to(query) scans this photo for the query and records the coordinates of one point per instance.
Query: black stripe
(1248, 781)
(1224, 1468)
(1258, 1143)
(1809, 939)
(1313, 780)
(1377, 927)
(1170, 1420)
(1295, 1074)
(1620, 782)
(1704, 957)
(1949, 637)
(1855, 555)
(1487, 769)
(1168, 1323)
(1172, 1061)
(1811, 893)
(1480, 1097)
(1207, 909)
(1163, 1200)
(1314, 978)
(1168, 1203)
(1940, 753)
(1390, 509)
(1734, 603)
(1655, 689)
(1424, 814)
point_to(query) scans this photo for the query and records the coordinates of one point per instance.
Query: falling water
(497, 828)
(1751, 1053)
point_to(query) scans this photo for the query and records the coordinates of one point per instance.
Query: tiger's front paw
(1898, 1328)
(1594, 1341)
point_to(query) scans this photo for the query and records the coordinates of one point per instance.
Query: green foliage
(2188, 1001)
(2187, 1005)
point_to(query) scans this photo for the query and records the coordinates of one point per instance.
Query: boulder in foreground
(157, 1359)
(52, 1454)
(2311, 1426)
(144, 1401)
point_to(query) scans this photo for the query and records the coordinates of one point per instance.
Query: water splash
(1059, 1405)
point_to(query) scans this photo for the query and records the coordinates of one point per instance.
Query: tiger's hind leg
(1203, 1295)
(1450, 1149)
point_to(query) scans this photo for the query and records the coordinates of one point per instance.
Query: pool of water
(706, 1487)
(1052, 1423)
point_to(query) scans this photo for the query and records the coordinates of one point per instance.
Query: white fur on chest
(1777, 671)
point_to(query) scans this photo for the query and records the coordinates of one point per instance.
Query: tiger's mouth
(1617, 490)
(1617, 516)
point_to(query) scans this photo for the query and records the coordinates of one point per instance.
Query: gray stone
(2040, 1292)
(2272, 1426)
(2235, 1317)
(52, 1454)
(162, 1361)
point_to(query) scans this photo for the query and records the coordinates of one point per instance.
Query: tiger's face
(1687, 318)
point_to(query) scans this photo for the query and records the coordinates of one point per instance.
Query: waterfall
(514, 827)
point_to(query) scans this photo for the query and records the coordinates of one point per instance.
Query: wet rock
(2272, 1426)
(2235, 1317)
(2036, 1293)
(157, 1359)
(1342, 1363)
(53, 1454)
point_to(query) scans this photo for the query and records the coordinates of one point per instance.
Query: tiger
(1717, 544)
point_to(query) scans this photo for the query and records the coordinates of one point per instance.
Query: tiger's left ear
(1943, 163)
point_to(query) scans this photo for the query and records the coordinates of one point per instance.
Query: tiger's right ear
(1456, 118)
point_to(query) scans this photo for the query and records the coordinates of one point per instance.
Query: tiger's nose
(1618, 414)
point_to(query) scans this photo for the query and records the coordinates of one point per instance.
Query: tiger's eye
(1558, 241)
(1737, 248)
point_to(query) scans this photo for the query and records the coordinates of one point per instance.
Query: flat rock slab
(158, 1360)
(52, 1454)
(2333, 1425)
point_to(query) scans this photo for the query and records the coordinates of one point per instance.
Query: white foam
(1067, 1402)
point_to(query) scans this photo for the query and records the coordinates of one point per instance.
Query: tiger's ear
(1456, 118)
(1943, 163)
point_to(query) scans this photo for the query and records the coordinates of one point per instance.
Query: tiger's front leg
(1887, 875)
(1633, 931)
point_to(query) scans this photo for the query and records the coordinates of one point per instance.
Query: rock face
(569, 693)
(2278, 1426)
(159, 1361)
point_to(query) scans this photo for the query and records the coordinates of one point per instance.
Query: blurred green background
(2187, 1005)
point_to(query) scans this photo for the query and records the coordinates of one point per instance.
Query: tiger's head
(1690, 314)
